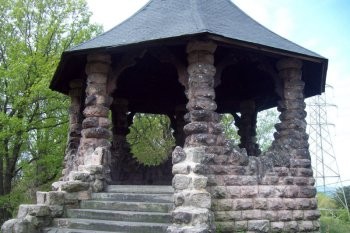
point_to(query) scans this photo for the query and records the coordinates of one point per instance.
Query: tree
(151, 138)
(264, 128)
(32, 118)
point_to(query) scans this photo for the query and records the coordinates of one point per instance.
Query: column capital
(287, 63)
(197, 45)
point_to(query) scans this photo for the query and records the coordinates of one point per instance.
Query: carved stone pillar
(291, 131)
(94, 149)
(192, 201)
(247, 128)
(75, 120)
(291, 140)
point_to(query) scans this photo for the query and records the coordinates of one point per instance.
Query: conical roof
(164, 19)
(177, 21)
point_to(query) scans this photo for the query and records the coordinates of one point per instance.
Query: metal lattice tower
(324, 162)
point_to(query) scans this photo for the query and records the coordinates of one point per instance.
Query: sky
(322, 26)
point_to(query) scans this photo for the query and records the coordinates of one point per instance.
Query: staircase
(122, 208)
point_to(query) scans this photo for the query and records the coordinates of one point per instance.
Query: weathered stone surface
(75, 186)
(258, 225)
(96, 111)
(93, 122)
(200, 182)
(76, 196)
(98, 132)
(196, 128)
(50, 198)
(181, 182)
(98, 185)
(178, 155)
(181, 168)
(200, 200)
(8, 226)
(34, 210)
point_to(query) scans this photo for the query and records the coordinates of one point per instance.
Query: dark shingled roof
(163, 19)
(175, 22)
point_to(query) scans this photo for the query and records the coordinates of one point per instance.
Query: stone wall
(260, 195)
(270, 192)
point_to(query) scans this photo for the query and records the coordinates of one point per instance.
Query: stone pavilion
(190, 60)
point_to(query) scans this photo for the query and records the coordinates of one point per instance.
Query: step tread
(110, 222)
(69, 230)
(127, 206)
(140, 189)
(120, 212)
(133, 197)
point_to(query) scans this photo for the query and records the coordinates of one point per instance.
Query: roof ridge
(197, 16)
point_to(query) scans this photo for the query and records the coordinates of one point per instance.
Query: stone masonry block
(275, 204)
(285, 215)
(199, 199)
(277, 227)
(307, 192)
(241, 226)
(251, 214)
(223, 205)
(181, 168)
(223, 216)
(270, 215)
(260, 203)
(181, 182)
(233, 191)
(312, 214)
(259, 226)
(291, 226)
(243, 204)
(33, 210)
(249, 191)
(266, 191)
(298, 215)
(306, 226)
(75, 186)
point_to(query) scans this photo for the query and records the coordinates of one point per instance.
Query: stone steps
(120, 209)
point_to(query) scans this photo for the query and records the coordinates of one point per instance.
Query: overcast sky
(322, 26)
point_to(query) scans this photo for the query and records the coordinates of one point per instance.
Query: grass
(334, 225)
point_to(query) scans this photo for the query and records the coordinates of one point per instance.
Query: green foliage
(151, 138)
(334, 225)
(325, 202)
(339, 199)
(33, 119)
(230, 130)
(264, 129)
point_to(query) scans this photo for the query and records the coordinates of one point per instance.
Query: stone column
(291, 133)
(291, 141)
(75, 120)
(193, 202)
(247, 128)
(94, 149)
